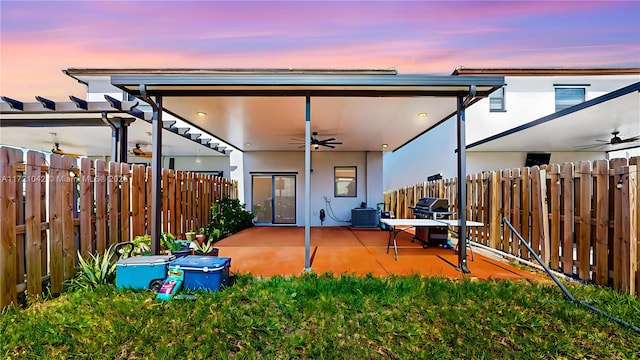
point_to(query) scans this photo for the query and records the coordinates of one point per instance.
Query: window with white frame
(569, 96)
(345, 181)
(496, 100)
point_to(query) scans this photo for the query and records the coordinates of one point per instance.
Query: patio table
(398, 225)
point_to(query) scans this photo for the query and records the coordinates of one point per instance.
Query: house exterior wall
(527, 98)
(99, 86)
(338, 210)
(430, 154)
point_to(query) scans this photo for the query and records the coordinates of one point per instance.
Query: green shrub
(228, 216)
(97, 269)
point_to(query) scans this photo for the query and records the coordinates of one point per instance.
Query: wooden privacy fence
(49, 212)
(582, 219)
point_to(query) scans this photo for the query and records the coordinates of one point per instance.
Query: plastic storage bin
(207, 273)
(142, 272)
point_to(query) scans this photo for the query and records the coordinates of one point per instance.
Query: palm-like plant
(97, 269)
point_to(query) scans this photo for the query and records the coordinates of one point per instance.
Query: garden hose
(562, 287)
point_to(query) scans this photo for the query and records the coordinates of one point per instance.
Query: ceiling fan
(316, 143)
(56, 150)
(615, 140)
(137, 151)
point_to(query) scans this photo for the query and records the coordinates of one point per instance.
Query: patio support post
(307, 184)
(156, 169)
(462, 183)
(119, 136)
(156, 175)
(123, 139)
(115, 134)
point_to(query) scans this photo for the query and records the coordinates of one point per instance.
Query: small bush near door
(228, 216)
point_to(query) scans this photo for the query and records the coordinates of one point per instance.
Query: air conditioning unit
(364, 217)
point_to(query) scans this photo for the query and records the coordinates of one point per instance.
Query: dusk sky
(41, 38)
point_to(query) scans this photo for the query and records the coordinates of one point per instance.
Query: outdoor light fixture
(422, 114)
(316, 146)
(384, 146)
(247, 144)
(201, 113)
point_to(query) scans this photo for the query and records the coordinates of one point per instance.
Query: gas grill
(431, 208)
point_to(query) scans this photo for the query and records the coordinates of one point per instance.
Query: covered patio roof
(578, 128)
(264, 109)
(83, 128)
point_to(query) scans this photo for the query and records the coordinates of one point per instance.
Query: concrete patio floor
(269, 251)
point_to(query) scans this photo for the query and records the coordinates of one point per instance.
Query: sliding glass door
(274, 198)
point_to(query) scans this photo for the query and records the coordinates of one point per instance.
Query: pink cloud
(419, 36)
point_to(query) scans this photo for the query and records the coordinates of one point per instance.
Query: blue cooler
(207, 273)
(142, 272)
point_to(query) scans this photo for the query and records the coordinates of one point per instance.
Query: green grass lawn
(322, 317)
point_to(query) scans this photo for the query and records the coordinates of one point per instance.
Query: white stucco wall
(374, 179)
(322, 181)
(98, 86)
(527, 98)
(430, 154)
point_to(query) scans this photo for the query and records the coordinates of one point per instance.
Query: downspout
(156, 168)
(462, 179)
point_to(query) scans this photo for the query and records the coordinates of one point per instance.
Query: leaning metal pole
(307, 184)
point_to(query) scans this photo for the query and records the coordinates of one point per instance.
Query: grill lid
(432, 204)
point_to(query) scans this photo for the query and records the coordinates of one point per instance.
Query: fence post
(568, 215)
(33, 220)
(516, 196)
(554, 184)
(525, 208)
(636, 161)
(125, 182)
(629, 244)
(69, 188)
(583, 230)
(8, 180)
(494, 209)
(601, 242)
(618, 170)
(56, 264)
(114, 203)
(101, 206)
(541, 212)
(506, 211)
(86, 207)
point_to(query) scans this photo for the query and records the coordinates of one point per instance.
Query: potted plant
(206, 248)
(172, 246)
(190, 235)
(201, 236)
(141, 245)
